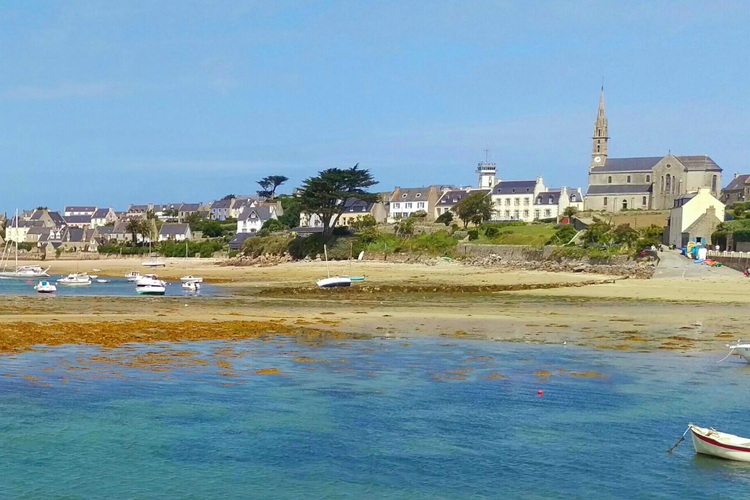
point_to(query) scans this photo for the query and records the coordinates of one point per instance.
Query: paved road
(674, 265)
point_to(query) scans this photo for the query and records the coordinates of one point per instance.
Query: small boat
(150, 284)
(75, 279)
(191, 286)
(720, 444)
(45, 287)
(334, 282)
(26, 272)
(154, 263)
(133, 276)
(743, 349)
(102, 280)
(193, 279)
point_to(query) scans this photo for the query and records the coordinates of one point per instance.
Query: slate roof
(221, 204)
(738, 183)
(263, 213)
(619, 189)
(514, 187)
(575, 196)
(100, 213)
(453, 196)
(700, 162)
(355, 205)
(239, 238)
(57, 218)
(138, 209)
(75, 234)
(547, 198)
(642, 164)
(190, 207)
(410, 194)
(74, 208)
(173, 229)
(78, 219)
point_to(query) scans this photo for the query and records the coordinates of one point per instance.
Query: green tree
(570, 211)
(475, 208)
(364, 222)
(270, 226)
(625, 236)
(598, 233)
(269, 184)
(326, 194)
(563, 235)
(138, 227)
(291, 207)
(212, 229)
(445, 218)
(405, 227)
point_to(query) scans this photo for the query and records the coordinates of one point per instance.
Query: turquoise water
(427, 418)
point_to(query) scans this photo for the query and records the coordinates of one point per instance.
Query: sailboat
(152, 261)
(188, 278)
(21, 272)
(332, 281)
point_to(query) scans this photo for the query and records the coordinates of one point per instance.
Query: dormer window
(418, 195)
(513, 190)
(403, 195)
(539, 200)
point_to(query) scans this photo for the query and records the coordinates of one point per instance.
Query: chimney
(736, 175)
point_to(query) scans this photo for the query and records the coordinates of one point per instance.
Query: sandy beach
(683, 307)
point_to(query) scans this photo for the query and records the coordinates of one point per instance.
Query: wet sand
(396, 300)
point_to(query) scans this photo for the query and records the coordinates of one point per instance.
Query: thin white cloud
(59, 91)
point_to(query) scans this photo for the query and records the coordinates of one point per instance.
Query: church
(643, 183)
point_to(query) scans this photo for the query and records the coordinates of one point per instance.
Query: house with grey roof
(404, 202)
(81, 221)
(188, 209)
(78, 210)
(737, 191)
(175, 232)
(643, 183)
(450, 198)
(75, 239)
(251, 219)
(238, 240)
(514, 200)
(694, 217)
(221, 209)
(102, 217)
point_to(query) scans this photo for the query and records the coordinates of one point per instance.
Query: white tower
(487, 172)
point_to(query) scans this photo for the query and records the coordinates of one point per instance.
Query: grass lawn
(530, 234)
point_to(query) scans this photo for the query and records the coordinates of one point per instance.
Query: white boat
(150, 284)
(75, 279)
(191, 286)
(334, 282)
(154, 262)
(45, 287)
(102, 280)
(720, 444)
(133, 276)
(191, 279)
(20, 272)
(743, 349)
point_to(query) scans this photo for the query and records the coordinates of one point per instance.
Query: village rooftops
(548, 198)
(514, 187)
(261, 212)
(78, 219)
(173, 229)
(82, 209)
(100, 213)
(355, 205)
(410, 194)
(738, 183)
(453, 196)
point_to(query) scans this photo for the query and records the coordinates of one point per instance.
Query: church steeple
(600, 137)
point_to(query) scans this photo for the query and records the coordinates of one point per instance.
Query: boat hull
(335, 282)
(153, 290)
(720, 444)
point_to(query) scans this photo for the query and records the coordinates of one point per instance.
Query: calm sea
(385, 418)
(116, 287)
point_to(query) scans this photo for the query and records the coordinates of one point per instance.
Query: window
(507, 202)
(668, 184)
(525, 202)
(624, 204)
(420, 204)
(507, 214)
(418, 195)
(662, 184)
(609, 180)
(513, 190)
(539, 201)
(396, 205)
(605, 201)
(551, 200)
(547, 212)
(536, 214)
(525, 213)
(648, 179)
(516, 202)
(644, 201)
(628, 181)
(714, 180)
(516, 214)
(407, 205)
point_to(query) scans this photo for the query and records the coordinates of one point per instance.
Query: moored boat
(150, 284)
(189, 278)
(741, 348)
(334, 282)
(191, 286)
(75, 279)
(45, 287)
(720, 444)
(133, 276)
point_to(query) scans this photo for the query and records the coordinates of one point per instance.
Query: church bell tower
(600, 137)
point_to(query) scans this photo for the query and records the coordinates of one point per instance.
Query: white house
(175, 232)
(102, 217)
(406, 201)
(251, 219)
(515, 200)
(694, 217)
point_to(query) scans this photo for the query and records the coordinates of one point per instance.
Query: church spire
(600, 137)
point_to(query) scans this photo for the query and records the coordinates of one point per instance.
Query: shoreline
(438, 299)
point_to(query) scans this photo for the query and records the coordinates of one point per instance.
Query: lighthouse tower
(487, 172)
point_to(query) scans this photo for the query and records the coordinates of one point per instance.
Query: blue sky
(111, 103)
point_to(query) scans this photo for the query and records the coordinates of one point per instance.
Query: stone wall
(738, 261)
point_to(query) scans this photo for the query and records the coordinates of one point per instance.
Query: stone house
(737, 191)
(251, 219)
(404, 202)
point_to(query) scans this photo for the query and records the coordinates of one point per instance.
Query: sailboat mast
(325, 252)
(16, 239)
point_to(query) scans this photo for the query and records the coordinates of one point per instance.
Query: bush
(473, 234)
(445, 218)
(491, 232)
(563, 235)
(271, 226)
(269, 245)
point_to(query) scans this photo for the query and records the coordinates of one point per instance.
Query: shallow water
(416, 418)
(117, 287)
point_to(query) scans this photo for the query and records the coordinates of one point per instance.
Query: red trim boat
(720, 444)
